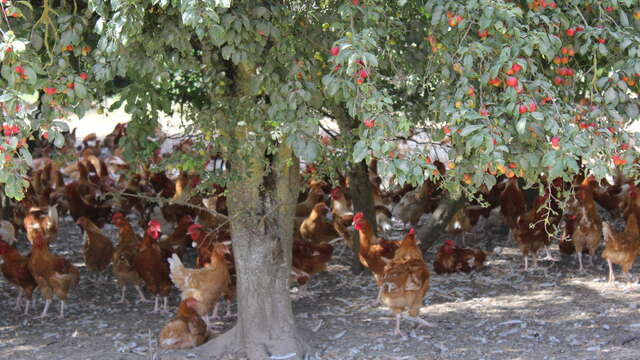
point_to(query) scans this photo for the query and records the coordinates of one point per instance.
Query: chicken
(80, 206)
(589, 225)
(316, 194)
(405, 281)
(512, 202)
(451, 259)
(40, 220)
(15, 269)
(150, 263)
(177, 242)
(621, 248)
(186, 330)
(204, 241)
(124, 254)
(98, 249)
(53, 274)
(308, 259)
(420, 201)
(179, 204)
(530, 232)
(408, 248)
(318, 227)
(374, 253)
(206, 284)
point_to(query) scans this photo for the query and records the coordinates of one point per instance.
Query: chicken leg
(549, 257)
(45, 310)
(26, 306)
(612, 277)
(397, 331)
(61, 316)
(123, 299)
(18, 298)
(579, 253)
(141, 294)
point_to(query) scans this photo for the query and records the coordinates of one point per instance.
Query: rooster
(374, 253)
(589, 225)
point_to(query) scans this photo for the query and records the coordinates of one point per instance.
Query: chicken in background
(531, 232)
(316, 195)
(611, 196)
(621, 248)
(423, 200)
(15, 269)
(207, 284)
(177, 242)
(53, 273)
(308, 259)
(204, 241)
(150, 262)
(98, 249)
(39, 220)
(318, 226)
(182, 200)
(512, 202)
(124, 256)
(186, 330)
(405, 281)
(86, 205)
(589, 225)
(451, 259)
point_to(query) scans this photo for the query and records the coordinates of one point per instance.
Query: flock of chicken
(100, 188)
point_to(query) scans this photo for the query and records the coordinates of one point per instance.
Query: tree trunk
(359, 185)
(362, 199)
(261, 206)
(438, 221)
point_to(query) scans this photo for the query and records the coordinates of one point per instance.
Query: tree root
(229, 344)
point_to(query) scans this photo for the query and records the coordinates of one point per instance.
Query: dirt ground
(499, 312)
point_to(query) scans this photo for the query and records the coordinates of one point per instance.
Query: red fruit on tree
(532, 107)
(83, 76)
(19, 69)
(523, 109)
(45, 136)
(335, 51)
(369, 123)
(512, 81)
(50, 90)
(555, 143)
(516, 67)
(571, 31)
(624, 146)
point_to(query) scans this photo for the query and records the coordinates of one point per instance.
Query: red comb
(412, 232)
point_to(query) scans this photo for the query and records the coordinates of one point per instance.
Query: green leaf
(521, 125)
(469, 129)
(611, 96)
(360, 151)
(537, 115)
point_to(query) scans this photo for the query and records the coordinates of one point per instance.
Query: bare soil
(500, 312)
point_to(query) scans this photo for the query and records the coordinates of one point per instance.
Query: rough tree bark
(261, 206)
(438, 221)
